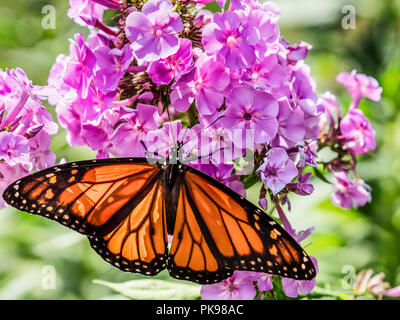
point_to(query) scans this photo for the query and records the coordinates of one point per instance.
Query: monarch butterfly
(128, 206)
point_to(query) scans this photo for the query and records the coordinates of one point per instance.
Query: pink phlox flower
(297, 52)
(303, 89)
(357, 132)
(291, 129)
(266, 74)
(40, 155)
(360, 85)
(112, 64)
(331, 111)
(265, 24)
(237, 287)
(308, 154)
(302, 187)
(204, 83)
(80, 66)
(277, 170)
(223, 174)
(153, 32)
(263, 280)
(84, 8)
(165, 70)
(132, 127)
(13, 148)
(349, 193)
(249, 109)
(230, 36)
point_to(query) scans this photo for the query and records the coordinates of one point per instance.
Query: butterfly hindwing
(84, 196)
(240, 235)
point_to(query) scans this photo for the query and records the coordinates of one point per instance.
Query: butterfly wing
(90, 197)
(238, 234)
(139, 243)
(190, 257)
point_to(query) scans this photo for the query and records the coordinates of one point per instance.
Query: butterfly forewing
(84, 196)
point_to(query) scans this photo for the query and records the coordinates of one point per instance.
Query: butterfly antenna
(144, 145)
(204, 129)
(184, 134)
(307, 245)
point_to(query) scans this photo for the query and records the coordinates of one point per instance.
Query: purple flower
(266, 74)
(80, 66)
(331, 110)
(13, 148)
(297, 52)
(277, 170)
(308, 154)
(133, 128)
(302, 187)
(252, 109)
(360, 85)
(312, 122)
(264, 280)
(291, 128)
(84, 8)
(264, 23)
(292, 287)
(393, 292)
(223, 174)
(357, 132)
(303, 89)
(165, 70)
(204, 83)
(112, 64)
(57, 88)
(9, 174)
(349, 193)
(153, 32)
(70, 115)
(230, 36)
(27, 126)
(39, 152)
(237, 287)
(96, 131)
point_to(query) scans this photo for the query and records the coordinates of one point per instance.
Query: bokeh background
(365, 238)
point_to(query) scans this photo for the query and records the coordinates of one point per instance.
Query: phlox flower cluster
(25, 128)
(349, 135)
(226, 84)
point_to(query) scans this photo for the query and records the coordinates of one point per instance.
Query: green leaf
(152, 289)
(320, 175)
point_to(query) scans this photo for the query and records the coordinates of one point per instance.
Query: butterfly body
(127, 207)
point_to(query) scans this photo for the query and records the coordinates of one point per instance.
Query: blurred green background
(364, 238)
